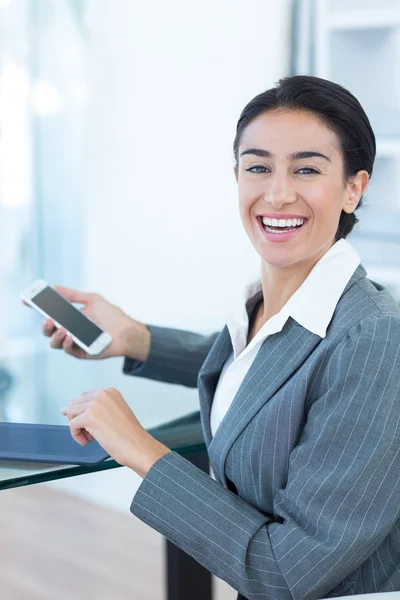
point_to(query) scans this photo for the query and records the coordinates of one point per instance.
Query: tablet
(27, 442)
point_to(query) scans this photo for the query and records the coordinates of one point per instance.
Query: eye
(310, 171)
(251, 169)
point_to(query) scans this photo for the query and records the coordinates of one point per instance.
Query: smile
(280, 234)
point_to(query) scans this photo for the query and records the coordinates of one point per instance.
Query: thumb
(72, 295)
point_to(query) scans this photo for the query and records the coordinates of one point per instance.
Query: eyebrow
(292, 156)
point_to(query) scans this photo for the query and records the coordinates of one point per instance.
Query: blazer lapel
(211, 369)
(208, 378)
(278, 357)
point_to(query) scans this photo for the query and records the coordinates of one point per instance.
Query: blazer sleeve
(342, 494)
(175, 356)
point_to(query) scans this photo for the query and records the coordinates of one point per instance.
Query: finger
(70, 347)
(57, 339)
(79, 436)
(89, 397)
(78, 431)
(48, 327)
(73, 349)
(72, 295)
(87, 435)
(68, 342)
(73, 410)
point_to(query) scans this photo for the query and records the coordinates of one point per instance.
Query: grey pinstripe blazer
(307, 499)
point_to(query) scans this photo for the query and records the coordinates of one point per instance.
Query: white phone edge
(98, 345)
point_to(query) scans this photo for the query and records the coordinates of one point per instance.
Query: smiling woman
(304, 152)
(300, 390)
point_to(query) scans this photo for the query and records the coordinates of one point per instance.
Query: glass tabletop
(37, 381)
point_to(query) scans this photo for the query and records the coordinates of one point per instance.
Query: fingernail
(63, 410)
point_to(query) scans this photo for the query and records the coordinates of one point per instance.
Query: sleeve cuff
(156, 356)
(132, 366)
(175, 483)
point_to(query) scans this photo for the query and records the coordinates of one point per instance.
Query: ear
(356, 187)
(235, 170)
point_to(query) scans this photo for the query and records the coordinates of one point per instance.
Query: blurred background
(117, 119)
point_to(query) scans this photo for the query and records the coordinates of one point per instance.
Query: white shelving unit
(356, 43)
(361, 20)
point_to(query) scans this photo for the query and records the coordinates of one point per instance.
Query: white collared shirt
(312, 306)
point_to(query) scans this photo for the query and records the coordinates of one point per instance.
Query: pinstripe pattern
(306, 502)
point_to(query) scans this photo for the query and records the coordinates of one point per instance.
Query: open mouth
(281, 230)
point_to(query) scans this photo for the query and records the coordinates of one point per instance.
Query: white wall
(164, 239)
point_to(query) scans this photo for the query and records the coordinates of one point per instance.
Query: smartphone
(85, 333)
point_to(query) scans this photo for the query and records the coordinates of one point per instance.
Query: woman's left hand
(105, 416)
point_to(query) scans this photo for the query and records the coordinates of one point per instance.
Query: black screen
(67, 315)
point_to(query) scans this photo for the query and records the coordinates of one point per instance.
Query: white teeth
(282, 222)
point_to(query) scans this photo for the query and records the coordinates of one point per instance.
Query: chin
(282, 257)
(279, 263)
(278, 259)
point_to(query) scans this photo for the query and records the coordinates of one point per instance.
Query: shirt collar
(314, 303)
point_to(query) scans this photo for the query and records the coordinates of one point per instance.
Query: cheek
(248, 195)
(323, 200)
(245, 211)
(244, 201)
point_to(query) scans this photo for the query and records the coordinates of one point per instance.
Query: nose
(280, 190)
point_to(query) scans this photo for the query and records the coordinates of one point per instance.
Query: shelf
(366, 19)
(364, 62)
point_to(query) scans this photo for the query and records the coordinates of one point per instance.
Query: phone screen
(67, 315)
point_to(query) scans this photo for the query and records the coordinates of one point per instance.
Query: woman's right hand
(129, 337)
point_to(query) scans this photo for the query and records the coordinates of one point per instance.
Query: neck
(280, 283)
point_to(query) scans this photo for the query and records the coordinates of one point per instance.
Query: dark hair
(337, 108)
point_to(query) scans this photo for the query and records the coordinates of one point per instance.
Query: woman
(299, 392)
